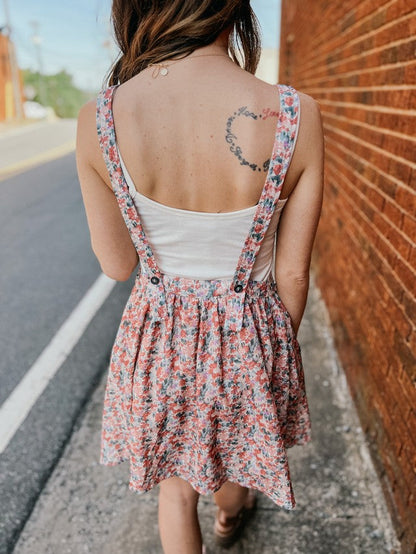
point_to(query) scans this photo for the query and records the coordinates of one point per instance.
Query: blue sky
(73, 34)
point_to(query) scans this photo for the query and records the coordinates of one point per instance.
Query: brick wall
(358, 59)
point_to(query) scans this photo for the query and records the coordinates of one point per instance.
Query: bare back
(199, 138)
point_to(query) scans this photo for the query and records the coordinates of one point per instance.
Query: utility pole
(13, 64)
(37, 41)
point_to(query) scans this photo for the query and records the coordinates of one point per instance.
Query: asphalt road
(31, 144)
(46, 268)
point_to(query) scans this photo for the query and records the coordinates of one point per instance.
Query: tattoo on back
(232, 139)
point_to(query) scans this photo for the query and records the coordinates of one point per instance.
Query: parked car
(34, 110)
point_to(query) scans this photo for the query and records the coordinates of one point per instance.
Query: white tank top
(201, 245)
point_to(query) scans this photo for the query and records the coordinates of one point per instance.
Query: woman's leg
(230, 499)
(178, 517)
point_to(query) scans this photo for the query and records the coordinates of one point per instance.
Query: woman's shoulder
(310, 142)
(263, 88)
(310, 111)
(309, 103)
(88, 150)
(306, 100)
(86, 125)
(310, 115)
(87, 112)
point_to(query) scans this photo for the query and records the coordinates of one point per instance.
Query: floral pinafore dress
(206, 379)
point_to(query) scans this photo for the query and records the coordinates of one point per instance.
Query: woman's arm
(110, 239)
(299, 220)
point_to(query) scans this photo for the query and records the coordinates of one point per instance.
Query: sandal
(228, 532)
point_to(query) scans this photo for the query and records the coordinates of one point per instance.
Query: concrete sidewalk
(340, 508)
(29, 145)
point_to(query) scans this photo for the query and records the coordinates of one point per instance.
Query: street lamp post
(37, 41)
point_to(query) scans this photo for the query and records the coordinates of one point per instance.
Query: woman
(194, 173)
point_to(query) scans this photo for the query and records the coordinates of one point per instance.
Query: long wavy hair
(152, 31)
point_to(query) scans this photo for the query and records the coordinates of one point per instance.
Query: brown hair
(151, 31)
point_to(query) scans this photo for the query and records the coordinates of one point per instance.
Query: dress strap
(284, 144)
(107, 139)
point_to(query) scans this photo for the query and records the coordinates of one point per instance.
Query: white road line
(17, 406)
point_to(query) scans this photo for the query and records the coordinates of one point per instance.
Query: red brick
(398, 242)
(406, 198)
(393, 213)
(409, 227)
(408, 385)
(411, 339)
(398, 9)
(402, 395)
(406, 274)
(411, 423)
(409, 306)
(400, 319)
(410, 73)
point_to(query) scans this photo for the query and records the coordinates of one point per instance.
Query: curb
(39, 159)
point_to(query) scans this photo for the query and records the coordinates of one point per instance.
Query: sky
(76, 35)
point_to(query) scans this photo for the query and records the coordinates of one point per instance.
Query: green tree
(57, 91)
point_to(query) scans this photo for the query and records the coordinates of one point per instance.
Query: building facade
(8, 97)
(357, 58)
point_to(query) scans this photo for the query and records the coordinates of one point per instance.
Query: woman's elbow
(118, 267)
(297, 278)
(117, 273)
(301, 279)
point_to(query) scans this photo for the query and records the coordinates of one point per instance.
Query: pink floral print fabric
(206, 379)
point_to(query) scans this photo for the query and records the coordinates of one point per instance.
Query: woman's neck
(220, 45)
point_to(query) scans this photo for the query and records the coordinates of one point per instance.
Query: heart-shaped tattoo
(231, 138)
